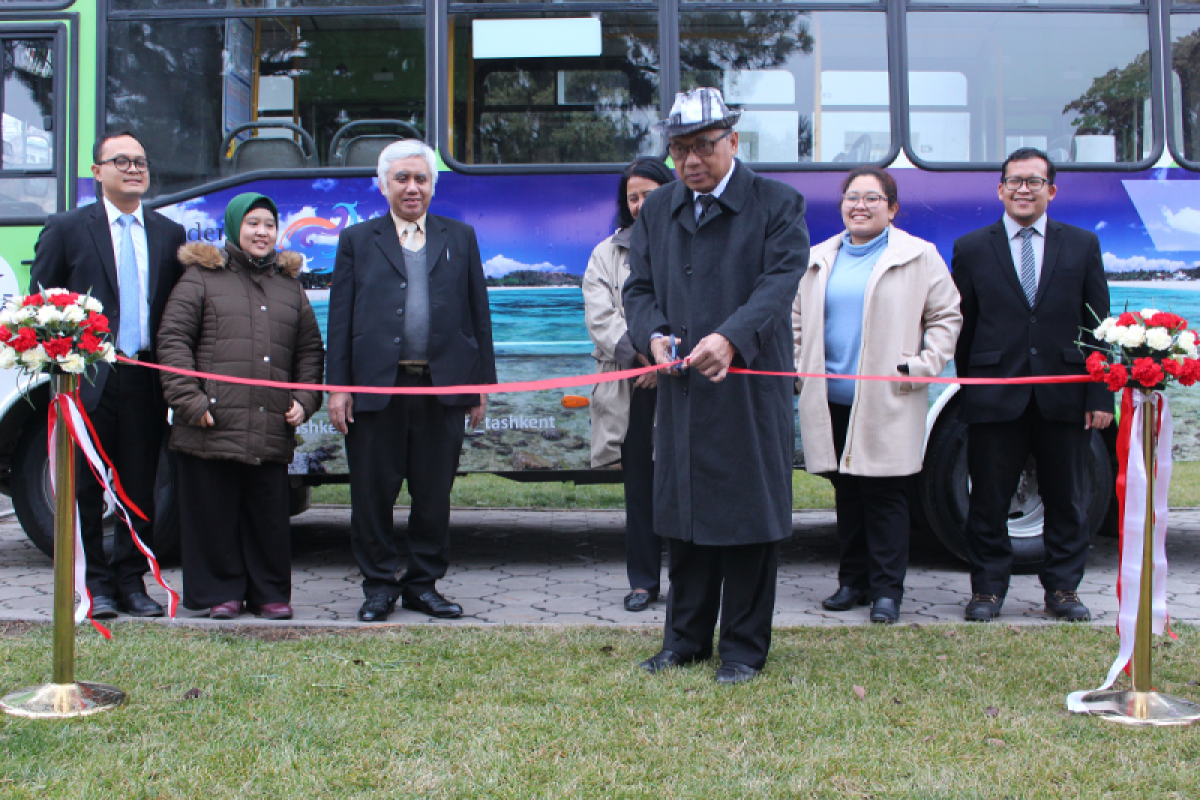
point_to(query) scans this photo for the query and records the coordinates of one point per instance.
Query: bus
(534, 108)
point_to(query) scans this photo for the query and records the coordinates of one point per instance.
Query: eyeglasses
(1035, 184)
(869, 200)
(702, 147)
(123, 163)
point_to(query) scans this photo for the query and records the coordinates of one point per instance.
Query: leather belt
(414, 369)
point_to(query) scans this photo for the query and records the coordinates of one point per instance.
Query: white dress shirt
(141, 251)
(717, 192)
(1013, 229)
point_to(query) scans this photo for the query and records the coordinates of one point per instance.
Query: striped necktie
(129, 333)
(1028, 272)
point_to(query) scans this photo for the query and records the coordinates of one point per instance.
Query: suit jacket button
(1033, 319)
(397, 340)
(266, 358)
(404, 285)
(400, 311)
(1033, 351)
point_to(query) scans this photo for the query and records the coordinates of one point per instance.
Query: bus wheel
(944, 486)
(33, 499)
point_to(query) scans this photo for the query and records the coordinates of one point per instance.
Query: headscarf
(235, 213)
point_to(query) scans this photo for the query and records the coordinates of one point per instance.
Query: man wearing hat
(715, 260)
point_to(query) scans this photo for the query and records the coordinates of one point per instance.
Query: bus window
(553, 89)
(183, 85)
(27, 182)
(218, 5)
(1185, 85)
(813, 86)
(982, 84)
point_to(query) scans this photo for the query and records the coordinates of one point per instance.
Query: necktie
(1028, 273)
(129, 334)
(408, 237)
(707, 201)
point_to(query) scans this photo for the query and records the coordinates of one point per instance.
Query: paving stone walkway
(519, 567)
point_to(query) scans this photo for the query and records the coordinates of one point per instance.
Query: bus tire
(34, 503)
(944, 492)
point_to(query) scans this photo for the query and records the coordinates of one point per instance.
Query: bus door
(34, 171)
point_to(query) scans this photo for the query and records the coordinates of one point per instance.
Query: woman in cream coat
(623, 411)
(874, 301)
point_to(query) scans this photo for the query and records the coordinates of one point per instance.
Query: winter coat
(910, 316)
(228, 318)
(723, 451)
(604, 314)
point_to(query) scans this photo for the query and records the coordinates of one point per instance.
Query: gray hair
(406, 148)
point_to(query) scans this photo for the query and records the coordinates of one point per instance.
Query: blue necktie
(129, 335)
(1028, 273)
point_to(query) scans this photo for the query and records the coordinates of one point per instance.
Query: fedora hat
(697, 110)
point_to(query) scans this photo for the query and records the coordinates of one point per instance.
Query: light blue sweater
(844, 295)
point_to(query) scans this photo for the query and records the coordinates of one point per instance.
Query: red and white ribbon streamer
(1131, 495)
(79, 427)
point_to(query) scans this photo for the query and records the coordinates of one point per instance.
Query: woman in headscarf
(623, 411)
(238, 311)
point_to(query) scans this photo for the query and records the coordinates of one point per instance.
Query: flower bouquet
(53, 331)
(1148, 348)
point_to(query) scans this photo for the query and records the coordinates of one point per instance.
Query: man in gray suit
(408, 308)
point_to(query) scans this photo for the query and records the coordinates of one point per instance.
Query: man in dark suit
(127, 257)
(408, 308)
(1031, 288)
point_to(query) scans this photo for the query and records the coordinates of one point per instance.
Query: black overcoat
(723, 451)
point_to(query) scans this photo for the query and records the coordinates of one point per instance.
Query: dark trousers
(418, 439)
(129, 423)
(872, 524)
(734, 582)
(996, 454)
(643, 547)
(235, 532)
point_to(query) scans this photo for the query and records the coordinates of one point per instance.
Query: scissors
(681, 369)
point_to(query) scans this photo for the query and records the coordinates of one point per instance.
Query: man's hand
(712, 356)
(1097, 419)
(647, 381)
(295, 415)
(341, 411)
(206, 421)
(478, 412)
(660, 348)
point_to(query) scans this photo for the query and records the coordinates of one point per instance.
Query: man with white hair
(408, 308)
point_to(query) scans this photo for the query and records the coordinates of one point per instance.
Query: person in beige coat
(623, 411)
(874, 301)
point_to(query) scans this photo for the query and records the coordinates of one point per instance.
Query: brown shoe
(271, 610)
(228, 610)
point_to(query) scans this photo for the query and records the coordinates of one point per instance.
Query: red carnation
(1097, 365)
(57, 347)
(5, 334)
(1117, 377)
(1128, 318)
(96, 322)
(25, 340)
(1172, 367)
(1171, 322)
(33, 300)
(1147, 372)
(1191, 372)
(63, 300)
(89, 342)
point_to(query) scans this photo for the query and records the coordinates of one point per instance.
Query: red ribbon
(586, 380)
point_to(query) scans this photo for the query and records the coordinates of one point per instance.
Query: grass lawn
(438, 712)
(808, 491)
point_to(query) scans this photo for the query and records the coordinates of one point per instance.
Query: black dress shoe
(983, 607)
(140, 604)
(666, 659)
(376, 608)
(845, 599)
(885, 610)
(732, 672)
(1066, 605)
(639, 601)
(104, 607)
(434, 605)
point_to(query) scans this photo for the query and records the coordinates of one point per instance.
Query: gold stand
(64, 697)
(1143, 705)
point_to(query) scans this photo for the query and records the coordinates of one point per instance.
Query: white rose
(72, 362)
(8, 357)
(108, 352)
(1158, 339)
(1148, 312)
(50, 292)
(34, 357)
(26, 313)
(73, 314)
(1113, 335)
(1131, 336)
(92, 304)
(48, 314)
(1101, 333)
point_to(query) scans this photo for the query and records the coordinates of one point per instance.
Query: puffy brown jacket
(227, 317)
